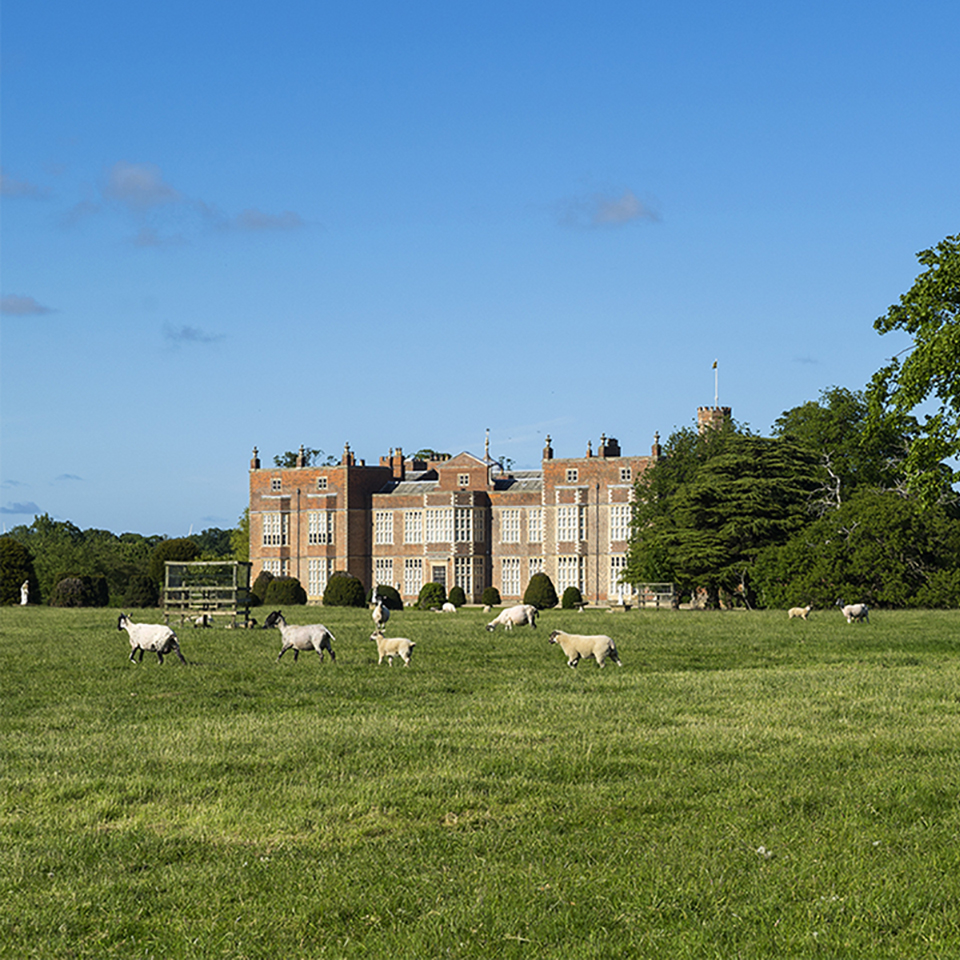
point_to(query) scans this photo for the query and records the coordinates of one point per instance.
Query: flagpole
(716, 385)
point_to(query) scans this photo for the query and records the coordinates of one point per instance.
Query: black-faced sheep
(576, 645)
(391, 647)
(313, 636)
(858, 612)
(515, 616)
(381, 613)
(149, 636)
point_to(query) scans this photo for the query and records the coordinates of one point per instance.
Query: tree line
(853, 496)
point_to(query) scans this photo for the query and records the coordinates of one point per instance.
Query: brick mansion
(460, 520)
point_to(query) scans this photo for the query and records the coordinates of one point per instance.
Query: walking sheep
(313, 636)
(800, 612)
(149, 636)
(576, 645)
(393, 647)
(858, 612)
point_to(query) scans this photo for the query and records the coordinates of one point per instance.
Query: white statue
(24, 593)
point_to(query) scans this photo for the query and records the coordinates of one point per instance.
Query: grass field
(745, 786)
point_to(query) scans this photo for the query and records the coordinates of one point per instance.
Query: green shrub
(141, 592)
(572, 598)
(80, 591)
(491, 597)
(457, 597)
(344, 590)
(259, 589)
(180, 549)
(431, 595)
(16, 565)
(391, 599)
(540, 592)
(283, 591)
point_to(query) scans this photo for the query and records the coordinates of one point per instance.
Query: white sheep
(576, 645)
(516, 616)
(314, 636)
(448, 607)
(381, 612)
(393, 647)
(149, 636)
(858, 612)
(800, 612)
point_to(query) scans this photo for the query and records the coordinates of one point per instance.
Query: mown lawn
(745, 786)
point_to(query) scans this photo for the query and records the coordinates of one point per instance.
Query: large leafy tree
(706, 511)
(929, 374)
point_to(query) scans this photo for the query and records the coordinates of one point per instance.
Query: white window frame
(276, 529)
(535, 566)
(510, 525)
(510, 576)
(463, 574)
(535, 525)
(278, 567)
(412, 576)
(321, 483)
(318, 574)
(463, 525)
(571, 523)
(573, 475)
(569, 573)
(383, 571)
(438, 525)
(626, 475)
(620, 516)
(320, 527)
(383, 526)
(413, 526)
(276, 484)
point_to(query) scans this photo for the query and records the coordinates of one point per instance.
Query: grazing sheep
(800, 612)
(576, 645)
(858, 612)
(393, 647)
(381, 612)
(313, 636)
(486, 608)
(203, 621)
(515, 617)
(448, 607)
(149, 636)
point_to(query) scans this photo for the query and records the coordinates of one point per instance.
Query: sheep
(203, 621)
(800, 612)
(313, 636)
(858, 612)
(393, 647)
(149, 636)
(576, 645)
(381, 612)
(448, 607)
(515, 616)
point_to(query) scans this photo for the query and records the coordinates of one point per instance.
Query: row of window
(450, 525)
(573, 475)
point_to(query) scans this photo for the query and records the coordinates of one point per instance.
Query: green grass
(487, 800)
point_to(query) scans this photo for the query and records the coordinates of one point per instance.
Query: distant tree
(142, 591)
(214, 543)
(182, 549)
(427, 454)
(456, 596)
(431, 595)
(240, 537)
(344, 590)
(930, 373)
(572, 598)
(16, 566)
(540, 592)
(491, 597)
(283, 591)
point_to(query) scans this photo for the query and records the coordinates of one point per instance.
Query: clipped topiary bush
(80, 591)
(16, 565)
(391, 599)
(540, 592)
(491, 597)
(284, 591)
(431, 595)
(259, 589)
(572, 598)
(344, 590)
(457, 597)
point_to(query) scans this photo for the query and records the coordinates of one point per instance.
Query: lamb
(313, 636)
(800, 612)
(381, 612)
(448, 607)
(858, 612)
(393, 647)
(576, 645)
(149, 636)
(515, 616)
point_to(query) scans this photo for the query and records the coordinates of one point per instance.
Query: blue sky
(400, 224)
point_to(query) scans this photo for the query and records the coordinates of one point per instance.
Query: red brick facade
(461, 520)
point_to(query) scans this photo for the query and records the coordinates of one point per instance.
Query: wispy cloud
(20, 508)
(20, 188)
(68, 476)
(187, 334)
(139, 186)
(599, 210)
(254, 219)
(19, 306)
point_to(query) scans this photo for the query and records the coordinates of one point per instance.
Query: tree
(491, 597)
(214, 543)
(456, 596)
(16, 566)
(571, 599)
(431, 595)
(282, 591)
(705, 512)
(182, 549)
(344, 590)
(930, 373)
(240, 537)
(311, 458)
